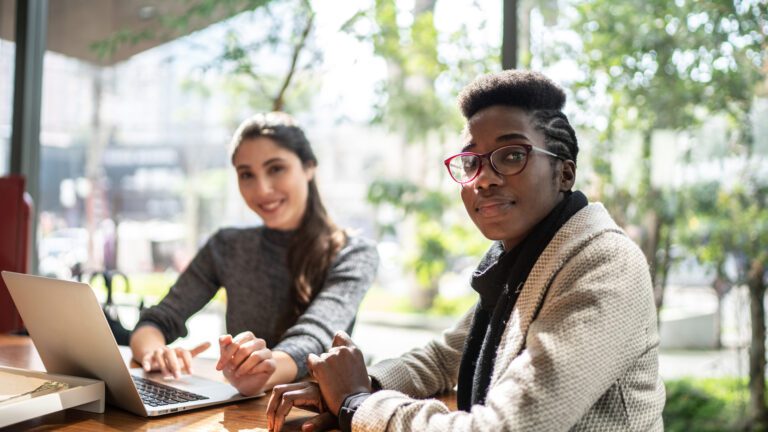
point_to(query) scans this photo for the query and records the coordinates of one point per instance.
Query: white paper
(15, 386)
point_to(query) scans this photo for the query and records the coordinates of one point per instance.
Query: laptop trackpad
(192, 384)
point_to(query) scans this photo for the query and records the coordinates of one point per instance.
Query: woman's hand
(171, 362)
(305, 395)
(340, 372)
(246, 362)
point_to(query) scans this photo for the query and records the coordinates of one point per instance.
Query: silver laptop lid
(71, 334)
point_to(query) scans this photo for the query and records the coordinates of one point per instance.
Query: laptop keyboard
(154, 394)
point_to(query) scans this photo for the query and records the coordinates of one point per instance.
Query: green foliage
(706, 405)
(669, 65)
(240, 60)
(665, 65)
(410, 101)
(454, 307)
(167, 26)
(425, 70)
(662, 61)
(720, 222)
(151, 287)
(440, 241)
(381, 300)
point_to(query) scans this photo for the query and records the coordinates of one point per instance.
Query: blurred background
(139, 99)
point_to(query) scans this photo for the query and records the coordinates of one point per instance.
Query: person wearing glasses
(290, 283)
(564, 335)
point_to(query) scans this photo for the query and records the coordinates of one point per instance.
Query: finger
(186, 358)
(242, 353)
(306, 397)
(244, 337)
(283, 408)
(313, 361)
(276, 396)
(322, 422)
(160, 360)
(267, 367)
(146, 362)
(172, 363)
(200, 348)
(341, 338)
(247, 349)
(255, 359)
(224, 343)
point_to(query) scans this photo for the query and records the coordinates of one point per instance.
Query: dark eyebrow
(511, 137)
(503, 138)
(273, 160)
(267, 163)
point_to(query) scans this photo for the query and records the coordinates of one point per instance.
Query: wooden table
(248, 415)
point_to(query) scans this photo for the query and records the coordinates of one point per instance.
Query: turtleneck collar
(278, 237)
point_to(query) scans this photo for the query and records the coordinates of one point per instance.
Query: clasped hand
(246, 362)
(339, 373)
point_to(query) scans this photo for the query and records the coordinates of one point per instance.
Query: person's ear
(567, 175)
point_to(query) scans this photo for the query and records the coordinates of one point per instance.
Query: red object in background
(15, 211)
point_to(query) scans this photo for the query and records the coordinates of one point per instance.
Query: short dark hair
(531, 91)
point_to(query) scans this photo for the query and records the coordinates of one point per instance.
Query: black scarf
(498, 279)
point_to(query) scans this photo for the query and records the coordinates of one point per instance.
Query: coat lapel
(585, 225)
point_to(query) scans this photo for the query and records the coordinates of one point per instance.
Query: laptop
(72, 336)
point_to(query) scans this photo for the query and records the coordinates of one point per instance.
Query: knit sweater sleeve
(335, 306)
(194, 288)
(426, 371)
(587, 334)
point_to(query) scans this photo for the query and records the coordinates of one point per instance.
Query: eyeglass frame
(528, 149)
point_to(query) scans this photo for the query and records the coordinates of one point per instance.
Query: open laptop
(72, 336)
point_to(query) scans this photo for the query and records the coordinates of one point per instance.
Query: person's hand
(171, 362)
(340, 372)
(305, 395)
(246, 362)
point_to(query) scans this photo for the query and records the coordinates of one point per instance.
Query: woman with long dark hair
(290, 283)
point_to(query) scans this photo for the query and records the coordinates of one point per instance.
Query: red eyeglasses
(508, 160)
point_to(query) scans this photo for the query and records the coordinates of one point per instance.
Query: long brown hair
(317, 239)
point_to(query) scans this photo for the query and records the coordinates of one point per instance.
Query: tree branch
(279, 100)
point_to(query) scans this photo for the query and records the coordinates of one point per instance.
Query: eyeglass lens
(506, 160)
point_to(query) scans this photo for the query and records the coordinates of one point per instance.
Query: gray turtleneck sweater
(251, 265)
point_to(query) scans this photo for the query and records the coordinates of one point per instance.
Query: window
(7, 56)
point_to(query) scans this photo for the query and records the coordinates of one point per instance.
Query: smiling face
(505, 207)
(273, 182)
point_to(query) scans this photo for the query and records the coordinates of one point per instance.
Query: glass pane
(7, 56)
(133, 160)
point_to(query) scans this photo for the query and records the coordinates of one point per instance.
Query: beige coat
(580, 351)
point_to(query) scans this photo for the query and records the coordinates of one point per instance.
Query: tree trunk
(653, 222)
(721, 287)
(660, 283)
(758, 411)
(424, 297)
(509, 35)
